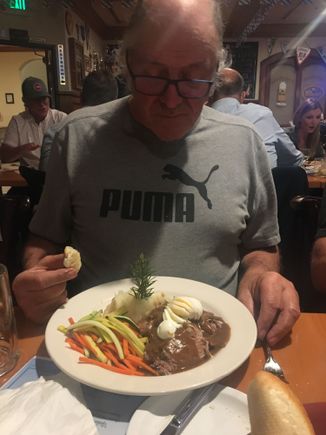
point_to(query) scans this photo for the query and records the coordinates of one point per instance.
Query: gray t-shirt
(113, 190)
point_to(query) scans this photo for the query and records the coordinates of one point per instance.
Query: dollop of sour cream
(176, 313)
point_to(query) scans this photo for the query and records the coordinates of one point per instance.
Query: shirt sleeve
(286, 151)
(12, 136)
(52, 219)
(262, 224)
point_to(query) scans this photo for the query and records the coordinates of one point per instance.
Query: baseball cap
(32, 88)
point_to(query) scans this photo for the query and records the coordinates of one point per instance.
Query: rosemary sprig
(142, 278)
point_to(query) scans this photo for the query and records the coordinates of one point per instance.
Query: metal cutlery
(187, 409)
(271, 365)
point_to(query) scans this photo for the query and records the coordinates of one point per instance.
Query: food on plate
(193, 343)
(143, 332)
(274, 409)
(108, 341)
(72, 258)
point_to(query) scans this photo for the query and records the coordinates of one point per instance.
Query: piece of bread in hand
(72, 258)
(274, 409)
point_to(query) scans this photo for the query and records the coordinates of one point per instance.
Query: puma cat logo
(175, 173)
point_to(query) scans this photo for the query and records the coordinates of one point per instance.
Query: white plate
(226, 413)
(239, 347)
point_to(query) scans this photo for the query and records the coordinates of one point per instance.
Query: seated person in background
(24, 134)
(306, 131)
(98, 87)
(154, 173)
(318, 256)
(229, 96)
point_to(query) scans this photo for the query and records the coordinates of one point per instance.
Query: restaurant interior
(279, 47)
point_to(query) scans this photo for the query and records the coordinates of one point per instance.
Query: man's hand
(40, 290)
(26, 147)
(274, 303)
(11, 153)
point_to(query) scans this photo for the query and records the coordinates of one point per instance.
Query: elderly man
(162, 174)
(229, 96)
(24, 134)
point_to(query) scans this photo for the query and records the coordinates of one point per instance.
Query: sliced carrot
(112, 358)
(124, 371)
(71, 320)
(76, 336)
(94, 336)
(77, 348)
(110, 346)
(85, 343)
(129, 364)
(141, 363)
(132, 350)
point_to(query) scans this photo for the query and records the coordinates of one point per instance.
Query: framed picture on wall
(77, 66)
(10, 98)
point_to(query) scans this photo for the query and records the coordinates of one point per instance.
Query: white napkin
(43, 408)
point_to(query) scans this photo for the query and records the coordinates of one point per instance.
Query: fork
(271, 365)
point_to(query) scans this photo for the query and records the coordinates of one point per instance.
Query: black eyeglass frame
(168, 82)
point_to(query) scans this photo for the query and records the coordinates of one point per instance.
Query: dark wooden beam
(286, 31)
(240, 17)
(86, 12)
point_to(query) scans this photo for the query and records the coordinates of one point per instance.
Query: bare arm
(270, 297)
(37, 248)
(11, 153)
(318, 264)
(41, 288)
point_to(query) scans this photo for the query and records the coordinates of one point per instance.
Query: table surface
(316, 181)
(302, 356)
(10, 176)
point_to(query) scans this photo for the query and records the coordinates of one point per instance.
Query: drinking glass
(8, 333)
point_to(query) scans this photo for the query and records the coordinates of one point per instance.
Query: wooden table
(10, 176)
(316, 181)
(302, 356)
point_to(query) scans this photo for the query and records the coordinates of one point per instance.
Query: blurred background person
(25, 131)
(229, 96)
(307, 133)
(318, 257)
(98, 87)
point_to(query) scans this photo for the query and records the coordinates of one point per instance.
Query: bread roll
(274, 409)
(72, 258)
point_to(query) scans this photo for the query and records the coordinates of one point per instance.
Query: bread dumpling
(72, 258)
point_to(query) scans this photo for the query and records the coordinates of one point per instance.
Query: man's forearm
(10, 153)
(36, 249)
(255, 263)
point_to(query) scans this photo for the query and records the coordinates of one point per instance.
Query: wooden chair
(307, 213)
(298, 219)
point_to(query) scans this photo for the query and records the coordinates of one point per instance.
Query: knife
(187, 409)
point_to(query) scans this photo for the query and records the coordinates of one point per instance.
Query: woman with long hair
(306, 131)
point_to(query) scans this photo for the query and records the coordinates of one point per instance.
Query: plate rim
(225, 390)
(147, 386)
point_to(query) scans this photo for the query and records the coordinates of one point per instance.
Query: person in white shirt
(228, 98)
(24, 134)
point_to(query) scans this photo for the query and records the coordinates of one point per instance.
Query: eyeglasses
(156, 86)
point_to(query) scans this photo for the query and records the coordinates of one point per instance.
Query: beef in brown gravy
(193, 343)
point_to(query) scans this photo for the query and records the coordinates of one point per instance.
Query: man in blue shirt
(229, 96)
